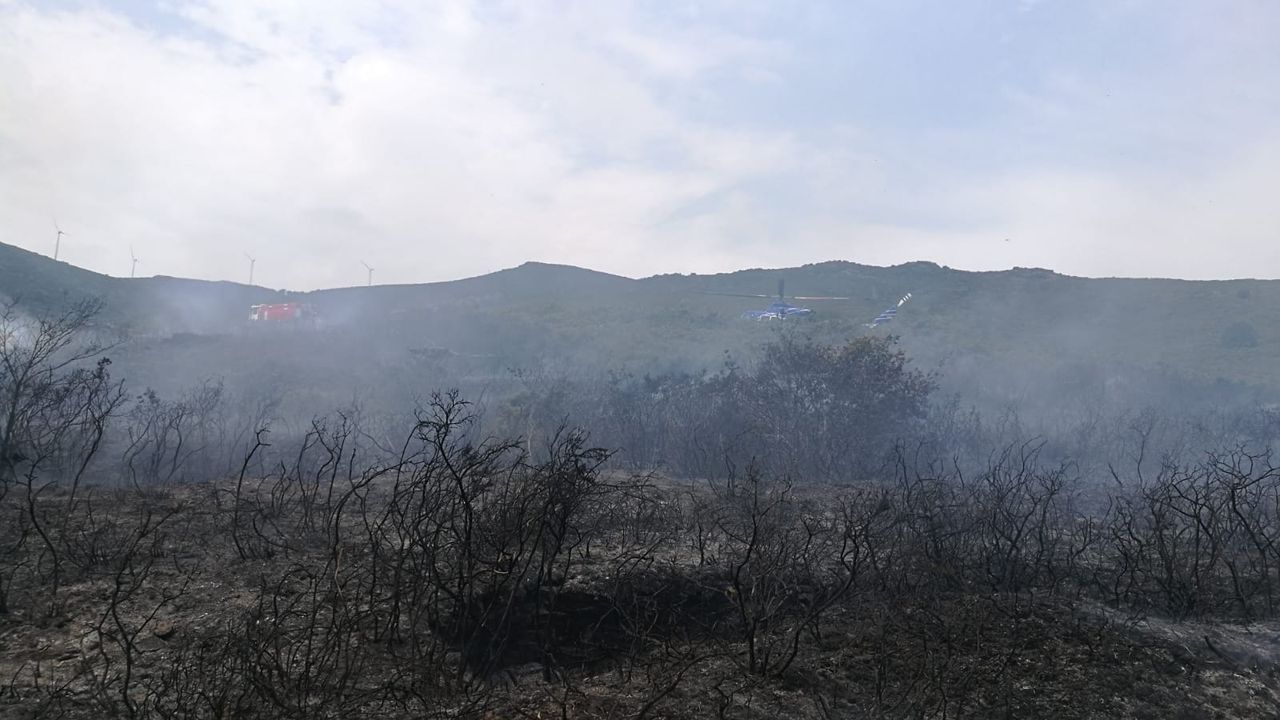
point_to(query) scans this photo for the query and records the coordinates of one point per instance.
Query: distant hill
(1007, 331)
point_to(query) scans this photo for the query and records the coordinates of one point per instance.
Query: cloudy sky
(437, 140)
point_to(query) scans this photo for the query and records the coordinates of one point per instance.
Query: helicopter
(889, 314)
(779, 309)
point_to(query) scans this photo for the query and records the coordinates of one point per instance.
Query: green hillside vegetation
(1024, 321)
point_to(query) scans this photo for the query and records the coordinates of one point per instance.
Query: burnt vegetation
(814, 535)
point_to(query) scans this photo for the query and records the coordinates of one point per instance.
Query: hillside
(1005, 331)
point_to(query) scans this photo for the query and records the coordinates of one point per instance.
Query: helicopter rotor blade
(779, 297)
(728, 294)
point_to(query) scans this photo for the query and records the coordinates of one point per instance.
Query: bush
(1240, 335)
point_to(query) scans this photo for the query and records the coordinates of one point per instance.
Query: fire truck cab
(281, 312)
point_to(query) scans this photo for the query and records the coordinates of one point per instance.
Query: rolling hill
(998, 332)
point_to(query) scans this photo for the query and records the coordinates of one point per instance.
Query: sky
(438, 140)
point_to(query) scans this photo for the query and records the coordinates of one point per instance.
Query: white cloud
(1218, 224)
(310, 138)
(446, 139)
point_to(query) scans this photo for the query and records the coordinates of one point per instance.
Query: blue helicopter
(779, 309)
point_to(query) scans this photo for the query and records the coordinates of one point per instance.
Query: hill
(1002, 333)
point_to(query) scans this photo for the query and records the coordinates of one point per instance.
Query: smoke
(18, 329)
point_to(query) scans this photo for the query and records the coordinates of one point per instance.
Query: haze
(434, 142)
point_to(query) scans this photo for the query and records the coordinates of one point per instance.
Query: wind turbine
(368, 267)
(252, 261)
(57, 243)
(133, 268)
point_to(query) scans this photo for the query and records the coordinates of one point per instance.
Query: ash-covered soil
(167, 604)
